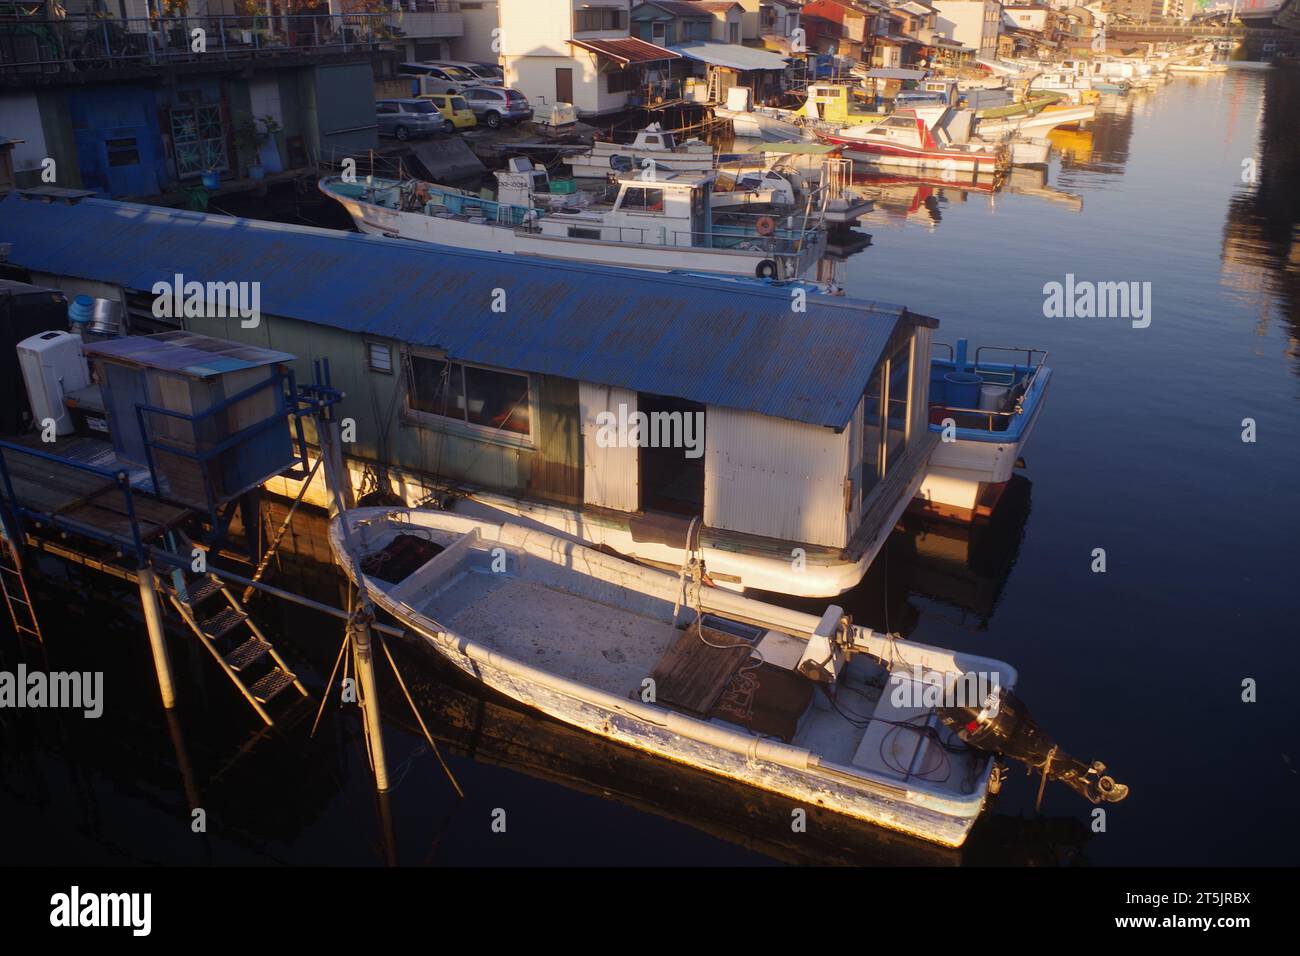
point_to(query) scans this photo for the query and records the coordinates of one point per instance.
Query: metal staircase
(239, 646)
(14, 586)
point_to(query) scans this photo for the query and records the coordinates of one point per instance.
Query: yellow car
(453, 108)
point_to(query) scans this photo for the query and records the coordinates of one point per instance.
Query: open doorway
(671, 455)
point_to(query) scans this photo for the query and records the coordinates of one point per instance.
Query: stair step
(270, 685)
(224, 621)
(247, 653)
(201, 591)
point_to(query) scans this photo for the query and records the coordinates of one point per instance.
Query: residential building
(1027, 16)
(479, 43)
(835, 26)
(972, 23)
(124, 104)
(573, 51)
(426, 29)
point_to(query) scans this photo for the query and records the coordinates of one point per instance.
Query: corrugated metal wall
(609, 474)
(921, 383)
(774, 477)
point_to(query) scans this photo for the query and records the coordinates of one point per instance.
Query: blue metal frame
(316, 399)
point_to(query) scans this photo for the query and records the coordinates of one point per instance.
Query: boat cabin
(653, 207)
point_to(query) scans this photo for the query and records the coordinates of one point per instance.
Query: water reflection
(1261, 236)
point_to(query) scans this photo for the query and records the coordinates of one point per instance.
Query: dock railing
(17, 515)
(99, 44)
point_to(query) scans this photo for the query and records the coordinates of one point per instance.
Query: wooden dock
(90, 500)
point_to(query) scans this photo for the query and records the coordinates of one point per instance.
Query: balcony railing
(30, 45)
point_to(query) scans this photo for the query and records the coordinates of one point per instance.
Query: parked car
(487, 74)
(439, 77)
(411, 118)
(495, 105)
(454, 109)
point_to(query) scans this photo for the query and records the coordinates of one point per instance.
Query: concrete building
(972, 23)
(124, 105)
(572, 51)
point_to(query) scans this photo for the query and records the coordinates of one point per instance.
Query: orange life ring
(765, 226)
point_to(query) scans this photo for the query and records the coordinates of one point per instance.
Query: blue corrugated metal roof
(721, 343)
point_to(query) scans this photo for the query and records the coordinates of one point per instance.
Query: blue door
(118, 143)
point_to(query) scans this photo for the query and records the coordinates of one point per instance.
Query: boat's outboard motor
(1003, 725)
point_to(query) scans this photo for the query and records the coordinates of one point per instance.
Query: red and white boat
(932, 138)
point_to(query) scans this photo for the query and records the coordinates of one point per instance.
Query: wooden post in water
(157, 638)
(360, 626)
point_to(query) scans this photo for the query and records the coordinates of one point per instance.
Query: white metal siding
(774, 477)
(609, 475)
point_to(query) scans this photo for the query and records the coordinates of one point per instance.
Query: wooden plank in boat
(692, 675)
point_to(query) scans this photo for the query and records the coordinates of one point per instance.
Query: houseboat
(612, 406)
(661, 223)
(984, 410)
(823, 711)
(925, 138)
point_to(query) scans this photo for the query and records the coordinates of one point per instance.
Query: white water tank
(52, 365)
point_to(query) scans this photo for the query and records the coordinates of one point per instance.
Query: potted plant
(250, 136)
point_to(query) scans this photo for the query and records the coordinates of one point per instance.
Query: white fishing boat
(935, 138)
(818, 709)
(663, 223)
(654, 148)
(1038, 124)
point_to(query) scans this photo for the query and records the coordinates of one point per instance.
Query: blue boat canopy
(732, 344)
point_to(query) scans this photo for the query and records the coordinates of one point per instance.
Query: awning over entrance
(732, 56)
(627, 51)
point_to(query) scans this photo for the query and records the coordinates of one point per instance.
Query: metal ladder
(238, 645)
(14, 586)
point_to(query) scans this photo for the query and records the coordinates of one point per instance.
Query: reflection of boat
(988, 410)
(932, 138)
(1197, 69)
(817, 709)
(1033, 182)
(967, 565)
(1075, 143)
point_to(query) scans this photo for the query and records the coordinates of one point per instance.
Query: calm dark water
(1139, 452)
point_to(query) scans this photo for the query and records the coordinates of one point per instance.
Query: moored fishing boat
(815, 708)
(662, 224)
(985, 410)
(924, 138)
(653, 148)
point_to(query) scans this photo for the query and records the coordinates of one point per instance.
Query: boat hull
(488, 237)
(718, 748)
(891, 156)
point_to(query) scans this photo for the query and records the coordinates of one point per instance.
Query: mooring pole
(360, 625)
(157, 639)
